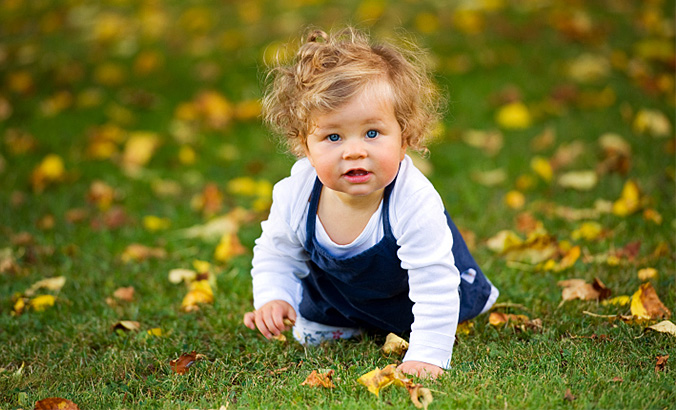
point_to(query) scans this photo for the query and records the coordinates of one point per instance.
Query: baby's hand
(421, 369)
(270, 318)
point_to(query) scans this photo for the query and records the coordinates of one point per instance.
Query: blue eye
(333, 137)
(371, 134)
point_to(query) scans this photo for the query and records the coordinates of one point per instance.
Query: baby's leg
(313, 333)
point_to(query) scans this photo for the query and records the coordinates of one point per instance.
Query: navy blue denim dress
(370, 290)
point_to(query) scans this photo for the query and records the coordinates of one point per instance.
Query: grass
(71, 350)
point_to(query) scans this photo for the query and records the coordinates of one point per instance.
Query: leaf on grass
(647, 274)
(101, 194)
(316, 379)
(138, 253)
(42, 302)
(228, 247)
(154, 223)
(209, 201)
(218, 226)
(629, 201)
(126, 294)
(580, 289)
(588, 231)
(127, 325)
(50, 170)
(464, 328)
(183, 363)
(542, 167)
(579, 180)
(490, 142)
(8, 261)
(661, 363)
(55, 403)
(420, 396)
(177, 276)
(652, 122)
(665, 326)
(394, 344)
(645, 304)
(138, 150)
(55, 284)
(377, 379)
(514, 115)
(490, 178)
(617, 300)
(515, 199)
(200, 292)
(522, 322)
(569, 396)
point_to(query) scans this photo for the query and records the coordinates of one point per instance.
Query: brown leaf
(126, 294)
(580, 289)
(55, 403)
(661, 363)
(420, 396)
(520, 321)
(645, 304)
(183, 363)
(127, 325)
(137, 253)
(316, 379)
(569, 395)
(664, 326)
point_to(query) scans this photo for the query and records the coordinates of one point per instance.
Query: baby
(357, 238)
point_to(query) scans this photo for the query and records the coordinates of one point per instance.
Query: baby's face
(356, 149)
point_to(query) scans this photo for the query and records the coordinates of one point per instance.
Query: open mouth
(356, 172)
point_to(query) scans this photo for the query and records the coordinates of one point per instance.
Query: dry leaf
(629, 201)
(665, 326)
(126, 294)
(50, 170)
(490, 142)
(139, 149)
(617, 300)
(183, 363)
(579, 180)
(55, 284)
(138, 253)
(316, 379)
(200, 292)
(645, 304)
(127, 325)
(652, 122)
(394, 344)
(514, 199)
(228, 248)
(182, 275)
(42, 302)
(661, 363)
(378, 379)
(580, 289)
(101, 194)
(514, 116)
(588, 231)
(8, 261)
(490, 178)
(464, 328)
(647, 274)
(569, 395)
(154, 223)
(55, 403)
(420, 396)
(520, 321)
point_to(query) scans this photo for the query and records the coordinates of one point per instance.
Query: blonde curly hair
(328, 70)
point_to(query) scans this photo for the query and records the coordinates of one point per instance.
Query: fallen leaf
(665, 326)
(543, 168)
(42, 302)
(154, 223)
(182, 275)
(126, 294)
(653, 216)
(588, 231)
(228, 247)
(579, 180)
(514, 199)
(156, 331)
(138, 253)
(316, 379)
(580, 289)
(490, 142)
(569, 396)
(127, 325)
(8, 261)
(514, 115)
(420, 396)
(139, 149)
(464, 328)
(183, 363)
(55, 403)
(645, 304)
(209, 201)
(522, 322)
(661, 363)
(49, 171)
(394, 344)
(652, 122)
(200, 292)
(55, 284)
(647, 274)
(490, 178)
(629, 201)
(377, 379)
(617, 301)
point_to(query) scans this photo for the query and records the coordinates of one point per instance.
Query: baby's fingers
(250, 320)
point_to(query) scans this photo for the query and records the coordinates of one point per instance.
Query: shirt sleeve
(425, 250)
(279, 259)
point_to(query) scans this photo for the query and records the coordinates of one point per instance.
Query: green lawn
(81, 83)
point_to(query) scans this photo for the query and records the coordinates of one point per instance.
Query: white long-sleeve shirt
(425, 241)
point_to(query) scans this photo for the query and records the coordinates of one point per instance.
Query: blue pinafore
(370, 290)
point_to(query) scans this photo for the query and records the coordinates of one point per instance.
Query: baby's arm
(269, 319)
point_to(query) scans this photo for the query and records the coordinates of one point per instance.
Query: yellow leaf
(514, 116)
(42, 302)
(589, 68)
(137, 253)
(50, 170)
(187, 155)
(464, 328)
(394, 344)
(154, 223)
(617, 301)
(201, 266)
(645, 304)
(652, 122)
(588, 231)
(228, 248)
(503, 241)
(182, 275)
(156, 331)
(377, 379)
(543, 168)
(19, 306)
(653, 216)
(647, 274)
(316, 379)
(139, 149)
(200, 292)
(515, 199)
(664, 326)
(629, 201)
